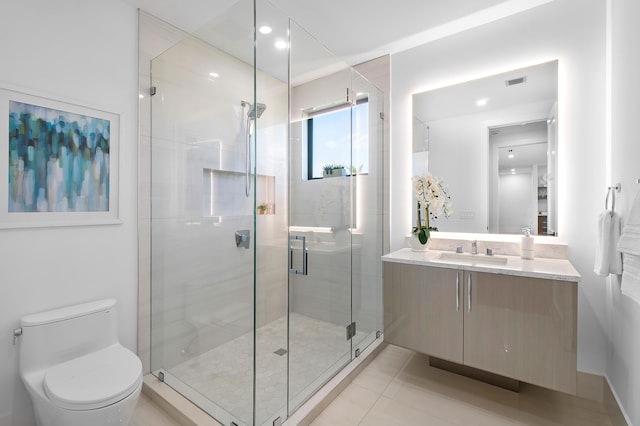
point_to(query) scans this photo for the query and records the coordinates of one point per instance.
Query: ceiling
(373, 27)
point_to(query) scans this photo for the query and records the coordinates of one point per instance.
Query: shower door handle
(304, 255)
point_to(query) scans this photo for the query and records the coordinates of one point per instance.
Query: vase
(416, 245)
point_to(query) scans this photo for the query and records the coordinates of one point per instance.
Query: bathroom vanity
(500, 314)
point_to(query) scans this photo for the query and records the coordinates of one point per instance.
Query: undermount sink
(473, 258)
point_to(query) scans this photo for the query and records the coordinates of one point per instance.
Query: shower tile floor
(224, 374)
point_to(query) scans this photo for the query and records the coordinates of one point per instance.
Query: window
(330, 140)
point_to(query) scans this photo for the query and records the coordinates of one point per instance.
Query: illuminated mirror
(493, 142)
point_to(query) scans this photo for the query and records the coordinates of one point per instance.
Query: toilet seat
(94, 380)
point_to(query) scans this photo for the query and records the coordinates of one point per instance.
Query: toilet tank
(55, 336)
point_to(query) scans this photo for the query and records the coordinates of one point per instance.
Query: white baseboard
(612, 401)
(598, 388)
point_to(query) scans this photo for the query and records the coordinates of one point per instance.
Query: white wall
(623, 369)
(83, 52)
(572, 31)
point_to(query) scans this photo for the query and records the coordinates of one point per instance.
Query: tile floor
(400, 388)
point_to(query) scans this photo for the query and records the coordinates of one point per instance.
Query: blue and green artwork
(58, 160)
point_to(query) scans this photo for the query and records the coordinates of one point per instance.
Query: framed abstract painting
(58, 163)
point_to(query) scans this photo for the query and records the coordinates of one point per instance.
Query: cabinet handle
(469, 292)
(457, 290)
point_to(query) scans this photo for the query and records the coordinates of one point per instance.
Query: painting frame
(104, 213)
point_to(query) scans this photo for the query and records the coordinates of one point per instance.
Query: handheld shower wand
(255, 111)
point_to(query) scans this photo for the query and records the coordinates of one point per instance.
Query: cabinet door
(523, 328)
(423, 310)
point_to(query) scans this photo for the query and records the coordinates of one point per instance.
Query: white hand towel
(608, 259)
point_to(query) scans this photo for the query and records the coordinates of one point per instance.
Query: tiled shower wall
(180, 142)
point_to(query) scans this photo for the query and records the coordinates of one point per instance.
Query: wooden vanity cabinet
(518, 327)
(423, 311)
(523, 328)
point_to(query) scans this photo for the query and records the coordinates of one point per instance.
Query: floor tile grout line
(369, 410)
(381, 393)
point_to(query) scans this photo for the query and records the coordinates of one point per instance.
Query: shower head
(257, 111)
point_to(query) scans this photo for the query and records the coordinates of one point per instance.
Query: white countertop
(551, 269)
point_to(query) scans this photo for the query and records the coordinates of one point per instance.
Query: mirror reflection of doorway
(519, 177)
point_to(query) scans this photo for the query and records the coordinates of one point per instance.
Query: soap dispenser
(526, 246)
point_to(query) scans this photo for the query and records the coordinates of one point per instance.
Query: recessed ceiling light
(482, 102)
(510, 155)
(513, 171)
(214, 74)
(141, 96)
(281, 44)
(265, 29)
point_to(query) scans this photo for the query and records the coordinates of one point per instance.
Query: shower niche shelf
(223, 194)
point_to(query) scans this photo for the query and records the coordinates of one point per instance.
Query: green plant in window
(328, 168)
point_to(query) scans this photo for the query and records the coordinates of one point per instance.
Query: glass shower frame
(183, 239)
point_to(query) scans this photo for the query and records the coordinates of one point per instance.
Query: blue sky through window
(331, 140)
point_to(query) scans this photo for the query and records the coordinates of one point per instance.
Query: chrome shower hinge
(351, 330)
(16, 333)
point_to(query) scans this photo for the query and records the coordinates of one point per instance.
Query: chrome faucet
(474, 247)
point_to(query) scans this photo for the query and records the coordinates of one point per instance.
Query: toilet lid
(94, 380)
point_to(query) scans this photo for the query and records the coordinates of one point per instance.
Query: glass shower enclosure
(266, 215)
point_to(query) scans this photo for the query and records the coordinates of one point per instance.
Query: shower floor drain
(280, 352)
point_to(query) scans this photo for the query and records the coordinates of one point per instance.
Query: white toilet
(74, 368)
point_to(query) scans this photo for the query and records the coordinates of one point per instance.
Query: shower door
(335, 217)
(367, 118)
(205, 184)
(265, 267)
(202, 281)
